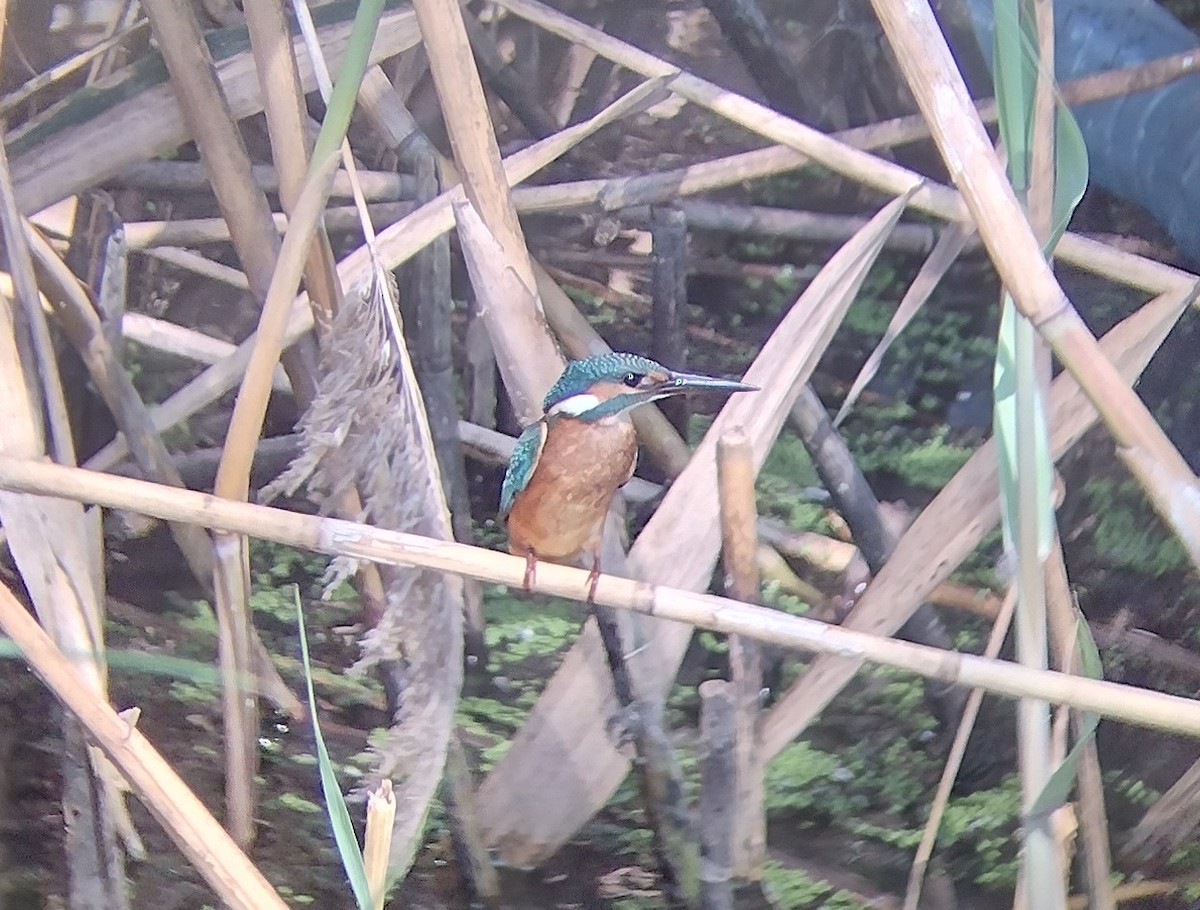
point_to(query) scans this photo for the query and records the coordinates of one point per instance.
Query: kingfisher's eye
(632, 379)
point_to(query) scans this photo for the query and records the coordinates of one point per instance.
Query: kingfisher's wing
(522, 464)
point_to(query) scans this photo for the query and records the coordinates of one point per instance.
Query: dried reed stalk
(207, 114)
(56, 546)
(952, 525)
(396, 245)
(934, 78)
(59, 154)
(1140, 707)
(525, 352)
(197, 834)
(739, 545)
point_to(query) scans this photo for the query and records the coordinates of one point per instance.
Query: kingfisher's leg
(530, 569)
(593, 577)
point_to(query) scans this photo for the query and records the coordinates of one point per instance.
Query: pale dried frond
(367, 428)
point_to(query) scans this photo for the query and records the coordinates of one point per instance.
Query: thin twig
(958, 748)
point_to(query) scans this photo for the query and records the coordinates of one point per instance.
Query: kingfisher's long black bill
(680, 383)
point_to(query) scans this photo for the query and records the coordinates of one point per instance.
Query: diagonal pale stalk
(396, 245)
(563, 745)
(937, 542)
(77, 316)
(987, 198)
(198, 835)
(56, 546)
(286, 115)
(231, 575)
(525, 353)
(250, 408)
(958, 748)
(933, 269)
(1140, 707)
(929, 68)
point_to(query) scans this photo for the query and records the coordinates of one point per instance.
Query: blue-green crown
(580, 375)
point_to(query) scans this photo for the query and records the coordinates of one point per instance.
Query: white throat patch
(576, 405)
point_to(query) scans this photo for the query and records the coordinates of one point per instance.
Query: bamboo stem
(82, 326)
(206, 112)
(931, 72)
(718, 791)
(739, 537)
(525, 352)
(214, 854)
(1140, 707)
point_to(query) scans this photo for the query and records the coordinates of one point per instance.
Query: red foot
(530, 571)
(593, 578)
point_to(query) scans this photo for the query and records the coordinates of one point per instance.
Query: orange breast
(560, 513)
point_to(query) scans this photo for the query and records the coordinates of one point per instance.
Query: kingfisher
(566, 467)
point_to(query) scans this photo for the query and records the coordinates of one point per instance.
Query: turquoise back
(521, 464)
